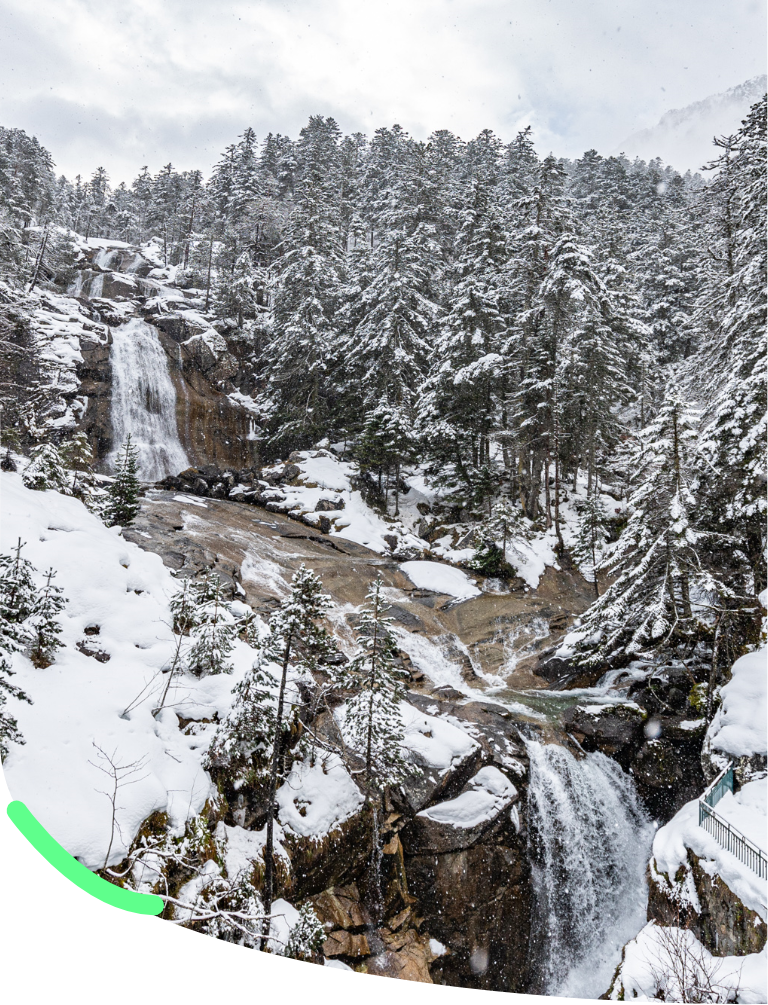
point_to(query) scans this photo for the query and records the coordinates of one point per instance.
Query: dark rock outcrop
(723, 924)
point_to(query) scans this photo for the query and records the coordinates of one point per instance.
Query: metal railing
(730, 838)
(717, 789)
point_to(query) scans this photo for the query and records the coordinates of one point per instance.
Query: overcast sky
(123, 83)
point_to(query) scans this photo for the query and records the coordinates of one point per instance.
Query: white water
(590, 841)
(144, 401)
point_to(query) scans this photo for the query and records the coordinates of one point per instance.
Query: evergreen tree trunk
(269, 864)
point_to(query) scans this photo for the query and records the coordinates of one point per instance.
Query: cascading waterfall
(144, 401)
(589, 844)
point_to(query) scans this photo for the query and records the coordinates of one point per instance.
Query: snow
(326, 794)
(437, 948)
(442, 745)
(692, 724)
(284, 917)
(746, 811)
(647, 955)
(78, 701)
(671, 844)
(488, 793)
(189, 501)
(738, 727)
(438, 578)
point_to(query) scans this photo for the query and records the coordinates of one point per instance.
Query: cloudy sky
(150, 81)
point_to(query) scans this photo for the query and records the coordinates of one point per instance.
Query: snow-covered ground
(117, 609)
(666, 959)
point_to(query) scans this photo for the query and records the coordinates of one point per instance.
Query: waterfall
(144, 401)
(590, 841)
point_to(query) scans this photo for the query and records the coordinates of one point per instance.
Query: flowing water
(144, 401)
(590, 840)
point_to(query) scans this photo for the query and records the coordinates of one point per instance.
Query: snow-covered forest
(483, 375)
(508, 321)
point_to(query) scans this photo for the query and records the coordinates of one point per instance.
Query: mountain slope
(683, 136)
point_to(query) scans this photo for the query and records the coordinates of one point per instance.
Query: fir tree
(124, 491)
(183, 605)
(307, 936)
(505, 525)
(44, 624)
(242, 744)
(658, 560)
(78, 457)
(373, 724)
(46, 470)
(213, 633)
(590, 543)
(17, 603)
(295, 638)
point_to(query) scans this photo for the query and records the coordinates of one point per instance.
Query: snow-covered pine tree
(183, 605)
(295, 639)
(658, 560)
(17, 602)
(460, 404)
(373, 723)
(242, 745)
(389, 349)
(590, 543)
(46, 470)
(9, 440)
(307, 936)
(44, 625)
(77, 455)
(124, 491)
(213, 633)
(387, 443)
(502, 527)
(306, 292)
(733, 484)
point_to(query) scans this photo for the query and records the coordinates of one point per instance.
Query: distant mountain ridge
(683, 136)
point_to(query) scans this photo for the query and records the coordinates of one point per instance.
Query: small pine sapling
(17, 601)
(78, 457)
(46, 470)
(242, 743)
(307, 936)
(505, 525)
(17, 594)
(10, 439)
(183, 605)
(590, 543)
(45, 627)
(213, 633)
(373, 724)
(123, 505)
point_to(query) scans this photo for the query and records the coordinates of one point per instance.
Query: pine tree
(460, 403)
(505, 525)
(183, 605)
(373, 724)
(591, 539)
(387, 443)
(295, 639)
(242, 744)
(214, 631)
(124, 491)
(46, 470)
(658, 561)
(44, 625)
(77, 455)
(307, 936)
(17, 603)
